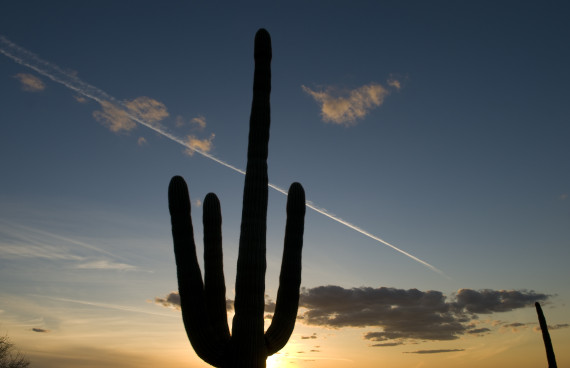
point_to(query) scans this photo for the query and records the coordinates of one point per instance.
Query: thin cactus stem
(203, 303)
(546, 337)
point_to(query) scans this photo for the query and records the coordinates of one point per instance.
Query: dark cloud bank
(399, 316)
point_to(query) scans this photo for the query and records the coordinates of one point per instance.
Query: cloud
(489, 301)
(105, 265)
(435, 351)
(172, 300)
(80, 99)
(345, 107)
(147, 109)
(313, 336)
(385, 344)
(119, 118)
(40, 330)
(406, 315)
(141, 141)
(553, 327)
(114, 117)
(30, 83)
(558, 326)
(204, 145)
(392, 82)
(43, 251)
(199, 122)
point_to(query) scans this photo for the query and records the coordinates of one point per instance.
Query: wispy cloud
(30, 83)
(45, 251)
(105, 265)
(345, 107)
(434, 351)
(19, 241)
(141, 141)
(108, 306)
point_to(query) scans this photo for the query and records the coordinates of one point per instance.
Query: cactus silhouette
(204, 303)
(546, 337)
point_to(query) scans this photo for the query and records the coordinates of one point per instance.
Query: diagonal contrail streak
(71, 81)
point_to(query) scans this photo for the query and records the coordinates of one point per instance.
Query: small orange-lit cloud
(141, 141)
(199, 122)
(147, 109)
(30, 83)
(392, 82)
(114, 117)
(345, 107)
(80, 99)
(120, 118)
(204, 145)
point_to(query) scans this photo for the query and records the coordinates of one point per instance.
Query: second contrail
(71, 81)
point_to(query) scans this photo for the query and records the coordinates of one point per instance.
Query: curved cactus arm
(214, 283)
(247, 327)
(190, 284)
(551, 358)
(287, 303)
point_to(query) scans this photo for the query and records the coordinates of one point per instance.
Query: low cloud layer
(30, 83)
(408, 315)
(345, 107)
(399, 316)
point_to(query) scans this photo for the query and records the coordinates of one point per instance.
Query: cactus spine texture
(546, 337)
(204, 303)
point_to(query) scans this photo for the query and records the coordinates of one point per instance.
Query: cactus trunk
(546, 337)
(203, 303)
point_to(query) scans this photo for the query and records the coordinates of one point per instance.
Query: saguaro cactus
(204, 304)
(546, 337)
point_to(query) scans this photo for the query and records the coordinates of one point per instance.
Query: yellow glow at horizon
(274, 361)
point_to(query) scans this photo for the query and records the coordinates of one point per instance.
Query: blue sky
(439, 127)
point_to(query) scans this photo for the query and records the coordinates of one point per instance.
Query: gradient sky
(440, 127)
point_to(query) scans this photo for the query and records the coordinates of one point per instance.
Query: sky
(431, 139)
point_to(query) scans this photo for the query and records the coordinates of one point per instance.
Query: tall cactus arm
(546, 337)
(287, 303)
(214, 283)
(247, 328)
(192, 300)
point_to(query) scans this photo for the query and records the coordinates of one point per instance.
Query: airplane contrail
(71, 81)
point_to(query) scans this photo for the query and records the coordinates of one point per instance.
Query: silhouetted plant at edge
(546, 337)
(204, 304)
(9, 356)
